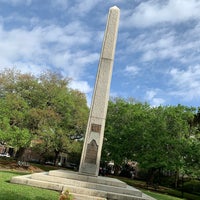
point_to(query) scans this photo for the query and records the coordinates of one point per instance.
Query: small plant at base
(65, 195)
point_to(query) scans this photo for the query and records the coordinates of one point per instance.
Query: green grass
(160, 196)
(9, 191)
(161, 193)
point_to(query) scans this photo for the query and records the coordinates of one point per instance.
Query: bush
(192, 187)
(167, 181)
(142, 174)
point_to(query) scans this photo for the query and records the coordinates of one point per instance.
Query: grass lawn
(161, 193)
(9, 191)
(159, 196)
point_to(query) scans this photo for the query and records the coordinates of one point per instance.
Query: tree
(192, 153)
(13, 116)
(124, 124)
(156, 137)
(43, 108)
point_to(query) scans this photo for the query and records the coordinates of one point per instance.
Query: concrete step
(26, 180)
(92, 179)
(86, 197)
(83, 190)
(103, 194)
(75, 190)
(128, 190)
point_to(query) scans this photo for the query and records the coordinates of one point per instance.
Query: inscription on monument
(91, 154)
(96, 128)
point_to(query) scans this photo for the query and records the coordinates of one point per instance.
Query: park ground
(9, 168)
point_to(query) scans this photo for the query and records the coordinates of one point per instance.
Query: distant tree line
(158, 138)
(42, 110)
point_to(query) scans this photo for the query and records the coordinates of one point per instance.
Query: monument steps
(86, 197)
(84, 184)
(87, 178)
(82, 188)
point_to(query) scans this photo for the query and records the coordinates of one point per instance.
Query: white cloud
(83, 86)
(160, 44)
(131, 70)
(18, 44)
(73, 64)
(53, 45)
(157, 101)
(152, 98)
(167, 43)
(30, 67)
(150, 94)
(186, 82)
(82, 7)
(16, 2)
(62, 4)
(153, 12)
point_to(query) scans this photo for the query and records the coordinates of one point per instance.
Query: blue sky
(157, 56)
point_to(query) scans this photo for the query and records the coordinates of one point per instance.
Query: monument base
(83, 187)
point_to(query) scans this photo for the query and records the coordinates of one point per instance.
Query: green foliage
(41, 108)
(13, 116)
(74, 154)
(192, 186)
(158, 138)
(161, 193)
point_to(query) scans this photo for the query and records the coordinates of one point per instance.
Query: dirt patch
(6, 164)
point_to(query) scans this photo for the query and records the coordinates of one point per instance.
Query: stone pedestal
(83, 187)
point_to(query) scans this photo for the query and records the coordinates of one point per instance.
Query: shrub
(192, 186)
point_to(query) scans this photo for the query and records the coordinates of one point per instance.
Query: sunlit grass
(10, 191)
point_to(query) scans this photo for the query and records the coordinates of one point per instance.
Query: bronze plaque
(96, 128)
(91, 153)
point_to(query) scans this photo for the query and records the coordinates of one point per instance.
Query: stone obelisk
(91, 153)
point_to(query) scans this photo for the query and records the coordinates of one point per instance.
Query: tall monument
(86, 184)
(91, 153)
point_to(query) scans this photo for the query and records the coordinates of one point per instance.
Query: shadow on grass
(15, 172)
(141, 185)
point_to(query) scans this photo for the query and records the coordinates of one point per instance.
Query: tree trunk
(153, 177)
(176, 179)
(150, 176)
(19, 154)
(182, 184)
(56, 157)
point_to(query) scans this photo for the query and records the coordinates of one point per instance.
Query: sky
(157, 58)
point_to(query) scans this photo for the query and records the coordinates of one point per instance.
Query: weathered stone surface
(86, 178)
(91, 154)
(94, 188)
(90, 160)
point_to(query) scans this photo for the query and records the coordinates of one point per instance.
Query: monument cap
(114, 7)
